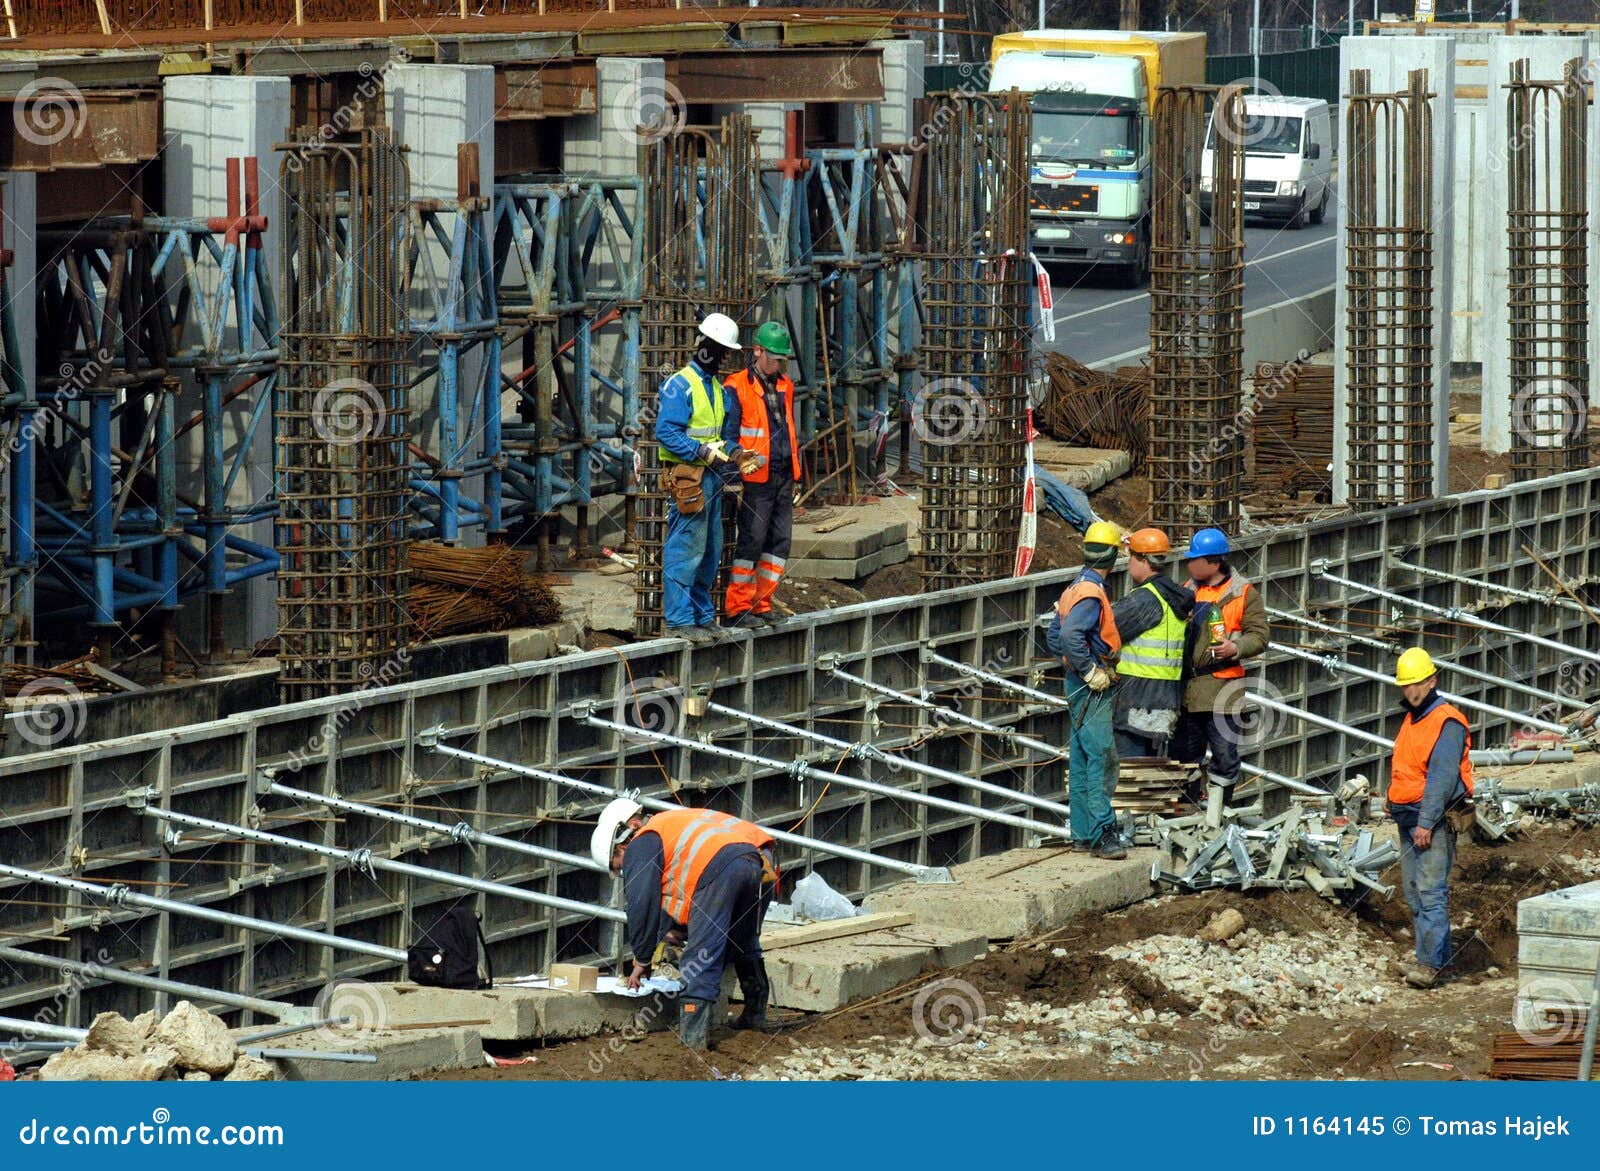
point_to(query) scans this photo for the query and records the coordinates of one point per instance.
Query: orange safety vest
(1077, 592)
(755, 432)
(1231, 594)
(690, 838)
(1408, 767)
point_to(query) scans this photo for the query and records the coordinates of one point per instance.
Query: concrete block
(857, 539)
(847, 569)
(435, 108)
(822, 976)
(1574, 910)
(400, 1055)
(520, 1014)
(1022, 892)
(527, 646)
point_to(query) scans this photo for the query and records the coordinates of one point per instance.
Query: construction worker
(1085, 636)
(702, 876)
(1430, 786)
(1227, 626)
(1151, 620)
(694, 431)
(761, 409)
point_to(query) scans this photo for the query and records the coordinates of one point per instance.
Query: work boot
(771, 618)
(1422, 976)
(1110, 846)
(756, 989)
(694, 1023)
(691, 633)
(744, 620)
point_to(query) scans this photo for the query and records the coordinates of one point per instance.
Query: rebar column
(1547, 266)
(1389, 278)
(341, 411)
(1196, 456)
(970, 415)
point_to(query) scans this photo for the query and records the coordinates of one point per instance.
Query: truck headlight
(1120, 238)
(1289, 187)
(1205, 182)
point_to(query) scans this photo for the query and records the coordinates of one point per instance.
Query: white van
(1288, 160)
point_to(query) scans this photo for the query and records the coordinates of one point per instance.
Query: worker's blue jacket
(674, 408)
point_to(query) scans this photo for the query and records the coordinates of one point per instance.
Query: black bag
(446, 954)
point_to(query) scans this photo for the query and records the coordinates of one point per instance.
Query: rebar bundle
(699, 210)
(1197, 437)
(970, 417)
(1389, 279)
(1547, 271)
(341, 411)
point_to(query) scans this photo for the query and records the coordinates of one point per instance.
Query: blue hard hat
(1207, 543)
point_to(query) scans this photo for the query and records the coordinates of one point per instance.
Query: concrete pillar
(19, 233)
(1546, 57)
(434, 108)
(902, 86)
(1390, 60)
(768, 120)
(631, 91)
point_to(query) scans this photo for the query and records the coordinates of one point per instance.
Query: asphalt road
(1095, 321)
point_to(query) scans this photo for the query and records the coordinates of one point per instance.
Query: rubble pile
(188, 1044)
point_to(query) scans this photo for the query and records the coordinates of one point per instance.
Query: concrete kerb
(831, 973)
(519, 1014)
(400, 1054)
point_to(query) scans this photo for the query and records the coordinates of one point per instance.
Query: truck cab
(1288, 160)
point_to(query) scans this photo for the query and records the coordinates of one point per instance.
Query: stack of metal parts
(699, 218)
(1500, 808)
(1389, 278)
(1315, 843)
(1196, 458)
(1293, 425)
(1547, 271)
(977, 293)
(341, 411)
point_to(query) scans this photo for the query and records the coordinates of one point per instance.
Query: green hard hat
(774, 339)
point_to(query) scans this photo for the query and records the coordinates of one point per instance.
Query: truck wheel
(1136, 274)
(1322, 208)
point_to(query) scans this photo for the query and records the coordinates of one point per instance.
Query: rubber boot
(757, 990)
(694, 1023)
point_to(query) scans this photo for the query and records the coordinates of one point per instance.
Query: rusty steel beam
(779, 75)
(553, 88)
(60, 127)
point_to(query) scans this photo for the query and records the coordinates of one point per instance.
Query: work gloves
(1098, 679)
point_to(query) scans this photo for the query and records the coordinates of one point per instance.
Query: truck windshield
(1100, 139)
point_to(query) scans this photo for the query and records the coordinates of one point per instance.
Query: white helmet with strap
(722, 329)
(613, 828)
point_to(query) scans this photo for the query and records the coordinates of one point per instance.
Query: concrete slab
(1085, 468)
(848, 569)
(1022, 892)
(864, 534)
(520, 1014)
(400, 1054)
(829, 974)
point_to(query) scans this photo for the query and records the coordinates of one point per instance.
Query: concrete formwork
(70, 809)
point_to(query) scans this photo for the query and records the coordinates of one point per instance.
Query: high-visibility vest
(755, 431)
(1408, 767)
(690, 838)
(1077, 592)
(1156, 653)
(1231, 595)
(707, 410)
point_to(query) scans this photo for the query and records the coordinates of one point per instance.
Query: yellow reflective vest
(707, 411)
(1156, 653)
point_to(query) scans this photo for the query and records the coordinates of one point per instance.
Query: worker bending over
(1430, 787)
(761, 408)
(1227, 626)
(706, 878)
(1086, 638)
(1151, 620)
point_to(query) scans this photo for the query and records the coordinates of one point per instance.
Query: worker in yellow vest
(1430, 788)
(1151, 619)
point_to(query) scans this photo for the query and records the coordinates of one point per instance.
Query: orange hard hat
(1151, 542)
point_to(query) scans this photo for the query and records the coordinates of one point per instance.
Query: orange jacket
(1077, 592)
(1231, 594)
(755, 429)
(1408, 767)
(690, 838)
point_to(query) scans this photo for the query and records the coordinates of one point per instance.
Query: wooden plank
(836, 929)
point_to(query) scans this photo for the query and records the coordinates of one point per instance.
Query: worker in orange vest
(761, 407)
(1430, 788)
(702, 877)
(1084, 634)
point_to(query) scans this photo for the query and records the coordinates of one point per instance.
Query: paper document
(608, 985)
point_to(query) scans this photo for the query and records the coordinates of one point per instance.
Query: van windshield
(1098, 139)
(1272, 134)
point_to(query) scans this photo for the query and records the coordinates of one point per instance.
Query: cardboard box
(574, 977)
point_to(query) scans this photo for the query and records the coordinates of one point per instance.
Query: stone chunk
(113, 1033)
(202, 1040)
(250, 1068)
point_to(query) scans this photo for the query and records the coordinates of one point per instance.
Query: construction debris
(1088, 407)
(1223, 926)
(188, 1044)
(475, 589)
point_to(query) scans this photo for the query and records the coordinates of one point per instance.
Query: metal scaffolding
(1389, 277)
(341, 413)
(971, 414)
(1197, 437)
(1547, 224)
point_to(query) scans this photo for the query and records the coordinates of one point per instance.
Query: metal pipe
(1320, 721)
(366, 860)
(1505, 756)
(459, 831)
(118, 894)
(275, 1008)
(429, 739)
(800, 768)
(873, 752)
(1510, 591)
(289, 1030)
(314, 1055)
(1590, 1029)
(28, 1030)
(971, 672)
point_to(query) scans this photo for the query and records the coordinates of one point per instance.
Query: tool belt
(684, 482)
(1462, 817)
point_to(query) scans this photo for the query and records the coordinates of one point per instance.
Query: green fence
(1304, 73)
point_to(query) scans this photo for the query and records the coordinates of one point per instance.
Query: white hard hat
(722, 329)
(613, 828)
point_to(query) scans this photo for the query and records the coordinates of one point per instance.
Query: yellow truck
(1092, 88)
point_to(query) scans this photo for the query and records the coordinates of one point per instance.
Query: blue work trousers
(1091, 760)
(724, 925)
(690, 557)
(1426, 876)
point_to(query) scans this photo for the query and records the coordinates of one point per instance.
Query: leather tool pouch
(683, 480)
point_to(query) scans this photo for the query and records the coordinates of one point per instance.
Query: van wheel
(1321, 213)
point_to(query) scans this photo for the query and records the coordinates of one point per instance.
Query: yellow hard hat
(1103, 532)
(1414, 666)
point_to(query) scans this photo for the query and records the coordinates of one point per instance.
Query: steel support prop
(873, 752)
(429, 740)
(1454, 614)
(800, 768)
(38, 1030)
(365, 859)
(1478, 756)
(118, 894)
(1496, 587)
(969, 672)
